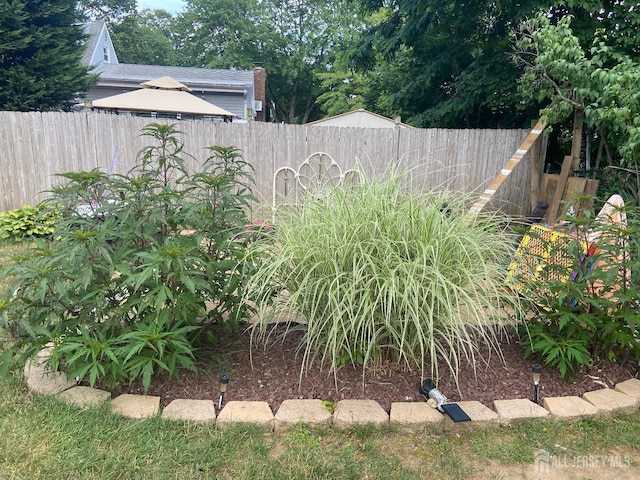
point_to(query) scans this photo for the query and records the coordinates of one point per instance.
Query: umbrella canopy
(161, 95)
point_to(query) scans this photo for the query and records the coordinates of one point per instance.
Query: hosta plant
(28, 221)
(378, 272)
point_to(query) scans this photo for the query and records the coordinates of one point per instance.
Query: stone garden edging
(625, 396)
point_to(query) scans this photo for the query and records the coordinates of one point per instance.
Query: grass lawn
(42, 438)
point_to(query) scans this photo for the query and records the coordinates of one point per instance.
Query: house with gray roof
(241, 92)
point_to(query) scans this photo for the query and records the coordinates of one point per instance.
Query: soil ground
(272, 373)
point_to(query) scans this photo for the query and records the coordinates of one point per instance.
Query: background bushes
(28, 221)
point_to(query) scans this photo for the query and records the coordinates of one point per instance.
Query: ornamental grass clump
(380, 273)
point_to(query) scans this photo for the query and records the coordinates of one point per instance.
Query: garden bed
(275, 377)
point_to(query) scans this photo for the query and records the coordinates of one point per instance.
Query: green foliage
(562, 341)
(143, 38)
(89, 356)
(594, 318)
(452, 58)
(160, 344)
(139, 266)
(41, 44)
(27, 221)
(598, 81)
(296, 41)
(137, 353)
(107, 10)
(329, 405)
(379, 273)
(555, 65)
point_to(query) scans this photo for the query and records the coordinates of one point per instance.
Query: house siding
(233, 103)
(232, 90)
(99, 42)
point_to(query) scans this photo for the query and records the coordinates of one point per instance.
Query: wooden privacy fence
(35, 146)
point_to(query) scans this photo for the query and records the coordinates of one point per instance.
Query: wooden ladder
(512, 163)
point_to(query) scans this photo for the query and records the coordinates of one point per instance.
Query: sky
(171, 6)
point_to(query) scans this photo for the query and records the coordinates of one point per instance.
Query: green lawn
(42, 438)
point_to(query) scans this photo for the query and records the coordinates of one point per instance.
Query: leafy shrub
(137, 353)
(595, 317)
(382, 274)
(28, 221)
(140, 265)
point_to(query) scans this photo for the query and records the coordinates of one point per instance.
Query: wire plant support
(318, 171)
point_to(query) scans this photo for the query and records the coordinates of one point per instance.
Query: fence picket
(34, 146)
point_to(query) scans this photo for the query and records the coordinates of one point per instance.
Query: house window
(105, 54)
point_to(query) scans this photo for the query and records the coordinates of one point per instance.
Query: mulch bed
(272, 374)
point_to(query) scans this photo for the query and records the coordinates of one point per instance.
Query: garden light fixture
(224, 381)
(436, 398)
(535, 370)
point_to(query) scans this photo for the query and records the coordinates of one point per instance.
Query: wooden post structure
(554, 206)
(537, 156)
(512, 163)
(576, 139)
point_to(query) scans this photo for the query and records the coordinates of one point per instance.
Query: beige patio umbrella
(161, 95)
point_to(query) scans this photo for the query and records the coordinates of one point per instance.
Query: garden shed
(359, 118)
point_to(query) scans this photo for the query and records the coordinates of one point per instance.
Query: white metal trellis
(318, 171)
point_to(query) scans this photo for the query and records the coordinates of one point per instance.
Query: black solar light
(428, 389)
(224, 381)
(535, 370)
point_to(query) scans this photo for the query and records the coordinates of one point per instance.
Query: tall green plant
(378, 272)
(150, 254)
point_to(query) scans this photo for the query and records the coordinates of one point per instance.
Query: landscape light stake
(536, 369)
(224, 381)
(436, 397)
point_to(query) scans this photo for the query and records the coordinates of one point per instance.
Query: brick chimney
(259, 92)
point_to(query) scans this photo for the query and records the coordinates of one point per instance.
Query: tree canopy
(435, 63)
(598, 83)
(443, 63)
(144, 38)
(296, 41)
(41, 44)
(107, 10)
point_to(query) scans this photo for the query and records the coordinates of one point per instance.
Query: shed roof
(359, 118)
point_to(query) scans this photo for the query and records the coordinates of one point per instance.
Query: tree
(342, 91)
(309, 36)
(444, 63)
(219, 34)
(598, 84)
(144, 38)
(295, 40)
(107, 10)
(41, 44)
